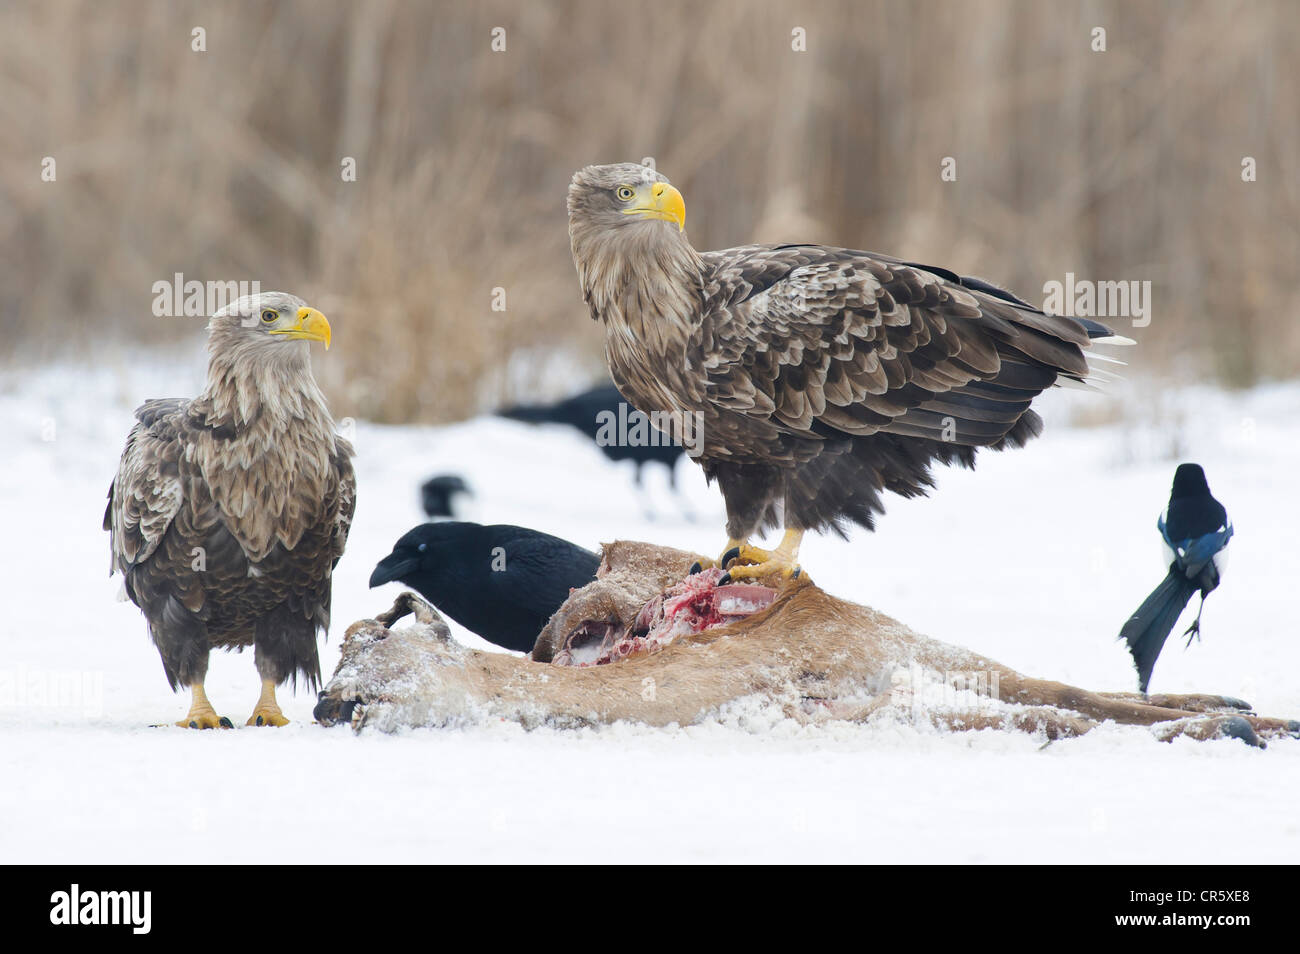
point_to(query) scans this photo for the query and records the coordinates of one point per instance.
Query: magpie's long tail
(1148, 628)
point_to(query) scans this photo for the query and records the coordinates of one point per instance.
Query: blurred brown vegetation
(226, 165)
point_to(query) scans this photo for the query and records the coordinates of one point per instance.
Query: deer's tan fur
(816, 656)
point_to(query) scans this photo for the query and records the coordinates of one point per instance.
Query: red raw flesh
(692, 606)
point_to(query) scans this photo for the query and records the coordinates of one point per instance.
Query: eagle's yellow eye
(269, 316)
(624, 192)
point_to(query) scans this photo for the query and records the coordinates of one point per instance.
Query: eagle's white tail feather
(1093, 356)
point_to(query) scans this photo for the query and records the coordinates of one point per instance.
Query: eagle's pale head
(258, 358)
(267, 328)
(627, 230)
(623, 195)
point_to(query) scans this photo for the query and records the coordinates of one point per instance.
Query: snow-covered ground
(1034, 560)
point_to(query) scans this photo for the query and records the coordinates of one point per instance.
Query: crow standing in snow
(1196, 531)
(499, 581)
(440, 496)
(584, 412)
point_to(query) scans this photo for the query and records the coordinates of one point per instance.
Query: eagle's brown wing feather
(824, 342)
(147, 492)
(346, 481)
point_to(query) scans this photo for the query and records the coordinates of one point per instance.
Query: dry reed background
(226, 165)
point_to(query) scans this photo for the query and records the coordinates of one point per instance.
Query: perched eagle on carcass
(230, 511)
(820, 376)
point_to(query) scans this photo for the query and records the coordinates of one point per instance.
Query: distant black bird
(1196, 531)
(584, 412)
(438, 496)
(501, 582)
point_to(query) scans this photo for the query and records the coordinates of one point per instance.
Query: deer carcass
(644, 643)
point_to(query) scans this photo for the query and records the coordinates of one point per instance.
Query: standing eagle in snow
(230, 511)
(815, 377)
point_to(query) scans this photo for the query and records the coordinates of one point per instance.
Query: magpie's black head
(1189, 481)
(416, 553)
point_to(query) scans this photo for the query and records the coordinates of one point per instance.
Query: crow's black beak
(395, 566)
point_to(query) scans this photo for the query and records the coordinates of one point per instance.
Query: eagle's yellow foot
(782, 569)
(205, 718)
(267, 711)
(753, 563)
(727, 552)
(201, 714)
(268, 715)
(745, 554)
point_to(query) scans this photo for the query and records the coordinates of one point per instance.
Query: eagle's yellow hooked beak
(312, 326)
(659, 200)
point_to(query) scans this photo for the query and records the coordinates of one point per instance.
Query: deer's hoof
(1238, 728)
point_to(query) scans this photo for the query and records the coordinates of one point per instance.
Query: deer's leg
(1274, 728)
(1118, 708)
(1204, 728)
(1052, 719)
(1052, 722)
(1095, 705)
(1195, 702)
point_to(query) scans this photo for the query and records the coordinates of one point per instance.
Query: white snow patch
(1035, 560)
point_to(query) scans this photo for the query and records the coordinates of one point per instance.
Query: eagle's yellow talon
(268, 716)
(745, 554)
(201, 719)
(267, 711)
(743, 561)
(765, 570)
(201, 714)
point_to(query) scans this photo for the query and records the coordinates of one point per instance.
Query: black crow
(590, 412)
(1196, 531)
(438, 496)
(501, 582)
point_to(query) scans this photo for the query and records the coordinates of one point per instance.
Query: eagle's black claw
(1293, 727)
(695, 568)
(193, 724)
(226, 723)
(732, 554)
(724, 579)
(259, 720)
(795, 574)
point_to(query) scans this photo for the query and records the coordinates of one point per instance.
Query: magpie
(438, 496)
(1196, 530)
(501, 582)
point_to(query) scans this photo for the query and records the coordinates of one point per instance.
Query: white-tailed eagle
(818, 376)
(230, 511)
